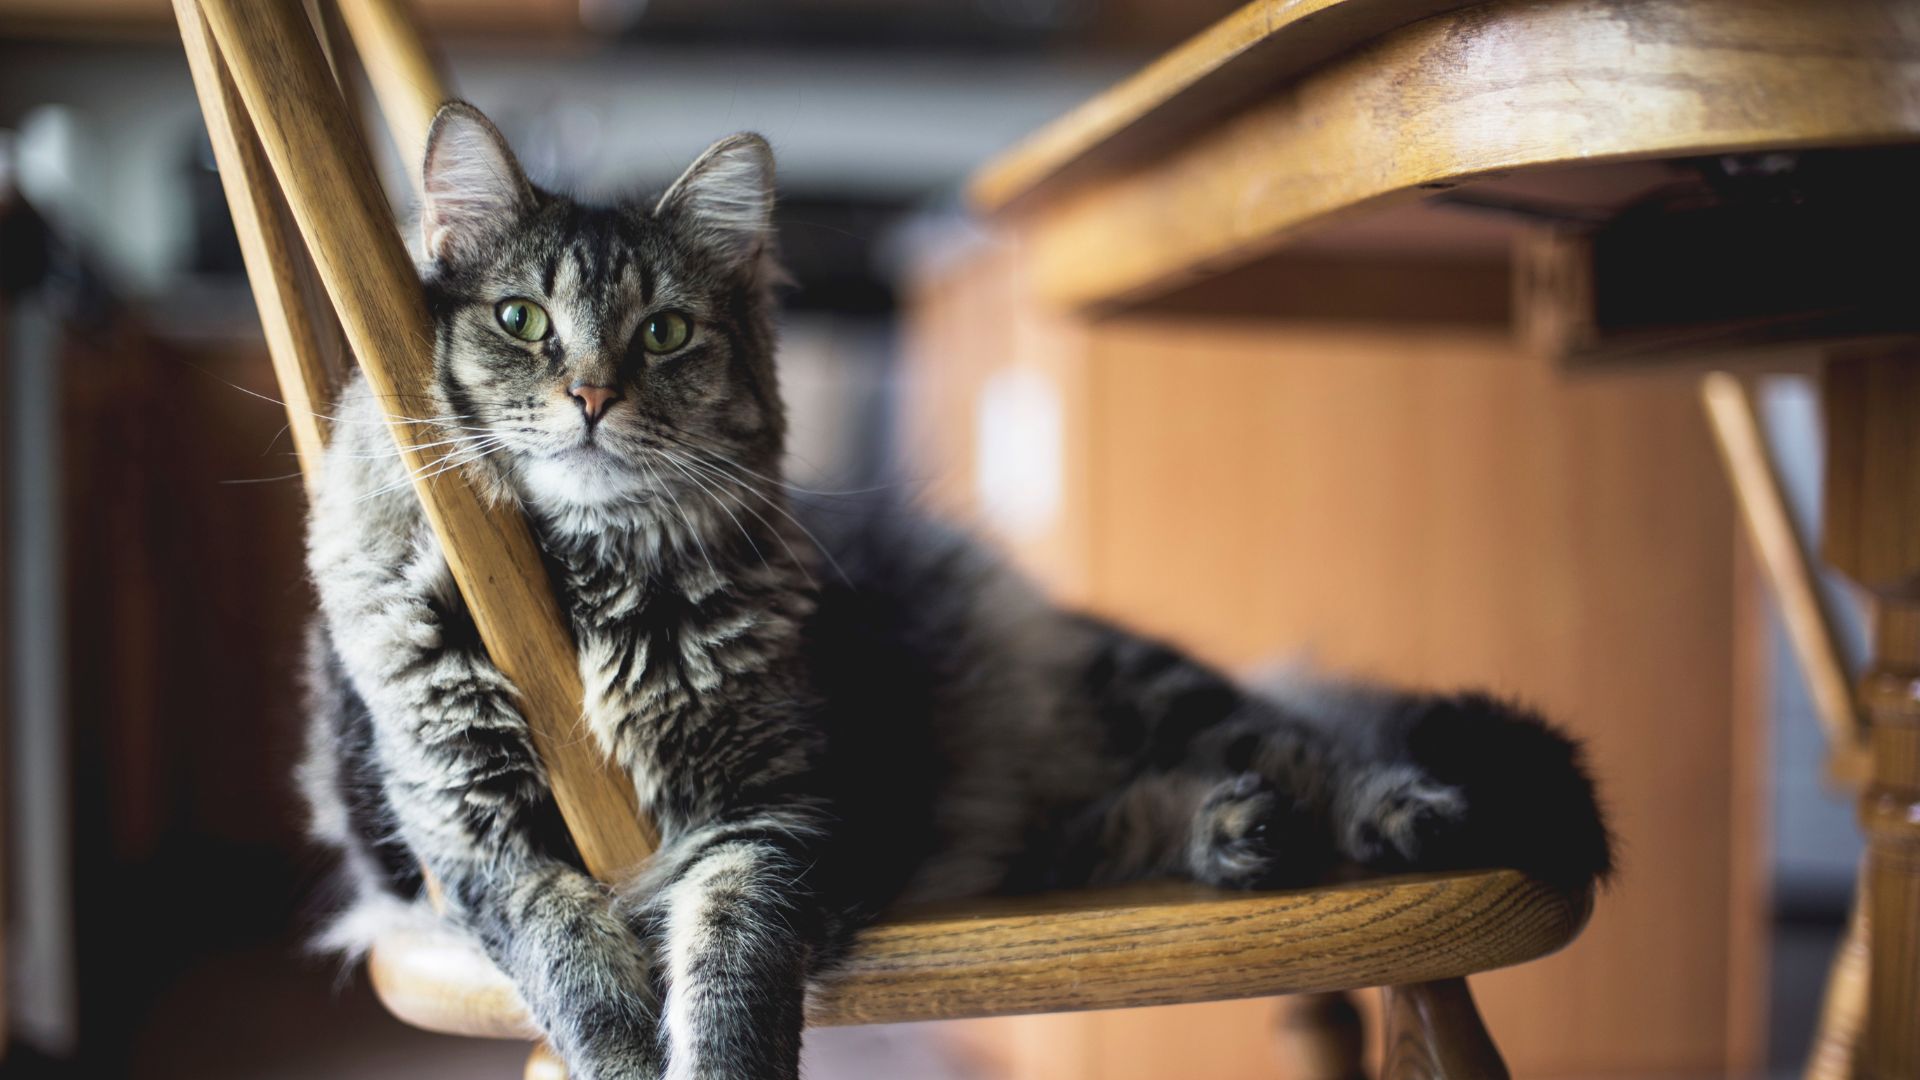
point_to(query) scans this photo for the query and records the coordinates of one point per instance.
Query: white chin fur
(571, 482)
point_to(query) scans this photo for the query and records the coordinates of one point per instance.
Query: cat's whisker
(715, 498)
(457, 440)
(692, 531)
(792, 555)
(689, 442)
(330, 418)
(439, 465)
(264, 479)
(717, 501)
(783, 512)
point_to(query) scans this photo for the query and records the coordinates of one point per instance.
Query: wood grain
(309, 139)
(1146, 945)
(303, 338)
(1505, 85)
(406, 78)
(1835, 1054)
(1872, 406)
(1872, 523)
(1788, 565)
(1256, 48)
(1871, 401)
(1889, 1044)
(1435, 1033)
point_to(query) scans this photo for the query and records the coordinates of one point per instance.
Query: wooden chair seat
(1152, 944)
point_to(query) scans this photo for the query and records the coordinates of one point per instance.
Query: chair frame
(313, 220)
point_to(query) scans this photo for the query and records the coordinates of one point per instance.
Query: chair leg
(1321, 1037)
(1435, 1033)
(543, 1065)
(1843, 1012)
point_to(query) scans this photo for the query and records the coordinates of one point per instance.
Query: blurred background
(156, 885)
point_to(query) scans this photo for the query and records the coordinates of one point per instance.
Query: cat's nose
(594, 400)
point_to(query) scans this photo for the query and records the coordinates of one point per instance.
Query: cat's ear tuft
(472, 188)
(726, 198)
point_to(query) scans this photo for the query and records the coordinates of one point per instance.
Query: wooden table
(1667, 181)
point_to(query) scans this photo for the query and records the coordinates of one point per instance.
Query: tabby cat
(822, 719)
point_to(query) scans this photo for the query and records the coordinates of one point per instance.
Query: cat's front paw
(1248, 834)
(1404, 818)
(616, 1064)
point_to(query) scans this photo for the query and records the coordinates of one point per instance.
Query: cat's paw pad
(1407, 820)
(1244, 834)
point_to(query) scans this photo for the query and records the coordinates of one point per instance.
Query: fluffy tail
(1530, 800)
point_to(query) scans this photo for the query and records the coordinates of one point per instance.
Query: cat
(822, 718)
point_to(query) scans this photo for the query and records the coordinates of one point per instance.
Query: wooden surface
(310, 141)
(1872, 526)
(1889, 1045)
(303, 338)
(406, 79)
(1872, 488)
(1423, 502)
(1500, 86)
(1789, 569)
(1843, 1008)
(1147, 945)
(1256, 48)
(1434, 1033)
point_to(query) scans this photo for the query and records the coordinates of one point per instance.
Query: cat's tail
(1530, 801)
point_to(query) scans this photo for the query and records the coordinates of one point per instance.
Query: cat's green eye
(665, 332)
(523, 319)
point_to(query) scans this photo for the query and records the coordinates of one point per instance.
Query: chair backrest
(308, 209)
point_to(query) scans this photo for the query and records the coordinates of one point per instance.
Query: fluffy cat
(822, 721)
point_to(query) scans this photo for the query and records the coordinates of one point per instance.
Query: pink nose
(594, 400)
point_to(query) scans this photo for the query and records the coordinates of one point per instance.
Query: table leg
(1890, 811)
(1843, 1011)
(1872, 534)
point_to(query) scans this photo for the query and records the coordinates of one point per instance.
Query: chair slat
(303, 339)
(309, 139)
(405, 76)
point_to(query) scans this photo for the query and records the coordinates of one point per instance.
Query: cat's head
(605, 355)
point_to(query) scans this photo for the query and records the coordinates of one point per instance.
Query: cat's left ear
(472, 188)
(726, 198)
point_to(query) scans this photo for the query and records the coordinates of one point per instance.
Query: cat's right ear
(472, 188)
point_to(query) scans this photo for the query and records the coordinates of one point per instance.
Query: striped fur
(827, 708)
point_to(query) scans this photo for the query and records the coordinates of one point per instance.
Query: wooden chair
(312, 219)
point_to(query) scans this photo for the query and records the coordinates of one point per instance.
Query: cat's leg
(736, 928)
(1440, 781)
(1392, 815)
(469, 799)
(1234, 831)
(1224, 791)
(1375, 807)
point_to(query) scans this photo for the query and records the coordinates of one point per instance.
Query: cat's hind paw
(1403, 818)
(1247, 834)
